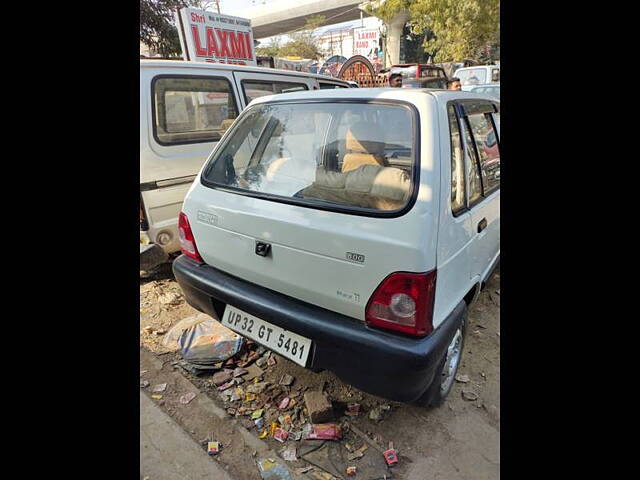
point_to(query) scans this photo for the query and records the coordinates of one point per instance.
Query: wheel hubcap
(451, 362)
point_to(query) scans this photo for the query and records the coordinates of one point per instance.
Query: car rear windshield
(472, 76)
(347, 155)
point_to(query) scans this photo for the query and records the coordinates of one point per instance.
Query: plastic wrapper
(270, 469)
(203, 340)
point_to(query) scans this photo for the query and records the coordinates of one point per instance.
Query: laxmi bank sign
(366, 41)
(215, 38)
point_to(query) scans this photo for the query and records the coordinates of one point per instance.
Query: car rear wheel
(445, 374)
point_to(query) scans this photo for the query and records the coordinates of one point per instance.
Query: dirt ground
(459, 440)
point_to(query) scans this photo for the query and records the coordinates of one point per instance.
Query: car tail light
(404, 302)
(187, 242)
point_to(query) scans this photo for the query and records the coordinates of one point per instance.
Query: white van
(349, 230)
(478, 75)
(185, 108)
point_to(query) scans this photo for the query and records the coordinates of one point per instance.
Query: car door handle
(482, 225)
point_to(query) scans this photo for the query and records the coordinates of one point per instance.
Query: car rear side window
(192, 109)
(473, 169)
(488, 150)
(458, 201)
(255, 89)
(326, 155)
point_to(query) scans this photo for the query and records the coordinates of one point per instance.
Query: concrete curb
(166, 450)
(204, 402)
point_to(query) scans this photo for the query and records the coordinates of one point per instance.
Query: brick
(221, 377)
(318, 406)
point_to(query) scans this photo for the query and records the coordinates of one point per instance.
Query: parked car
(492, 89)
(185, 108)
(478, 75)
(349, 230)
(416, 75)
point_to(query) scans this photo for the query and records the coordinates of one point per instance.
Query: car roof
(151, 63)
(496, 85)
(412, 64)
(478, 66)
(408, 94)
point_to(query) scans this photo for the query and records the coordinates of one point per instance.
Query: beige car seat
(368, 186)
(362, 152)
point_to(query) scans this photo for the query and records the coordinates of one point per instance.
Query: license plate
(288, 344)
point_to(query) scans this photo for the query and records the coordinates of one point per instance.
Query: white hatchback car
(349, 230)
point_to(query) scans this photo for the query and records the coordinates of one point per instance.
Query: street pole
(218, 5)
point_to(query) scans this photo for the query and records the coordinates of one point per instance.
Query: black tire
(433, 396)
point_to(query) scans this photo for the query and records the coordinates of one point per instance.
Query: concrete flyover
(283, 16)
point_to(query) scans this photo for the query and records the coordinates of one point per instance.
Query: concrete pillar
(394, 32)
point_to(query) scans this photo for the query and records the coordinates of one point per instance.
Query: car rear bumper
(388, 365)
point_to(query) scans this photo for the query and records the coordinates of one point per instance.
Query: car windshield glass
(472, 76)
(322, 153)
(406, 72)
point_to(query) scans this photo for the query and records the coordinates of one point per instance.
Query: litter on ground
(187, 397)
(270, 469)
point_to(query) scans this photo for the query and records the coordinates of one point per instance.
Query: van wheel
(444, 379)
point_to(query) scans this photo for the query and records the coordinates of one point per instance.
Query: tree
(463, 28)
(457, 28)
(414, 51)
(272, 49)
(205, 5)
(157, 28)
(304, 42)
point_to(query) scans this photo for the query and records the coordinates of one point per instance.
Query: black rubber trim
(393, 366)
(146, 186)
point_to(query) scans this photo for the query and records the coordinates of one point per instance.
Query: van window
(255, 89)
(192, 109)
(488, 149)
(329, 86)
(276, 151)
(457, 164)
(495, 75)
